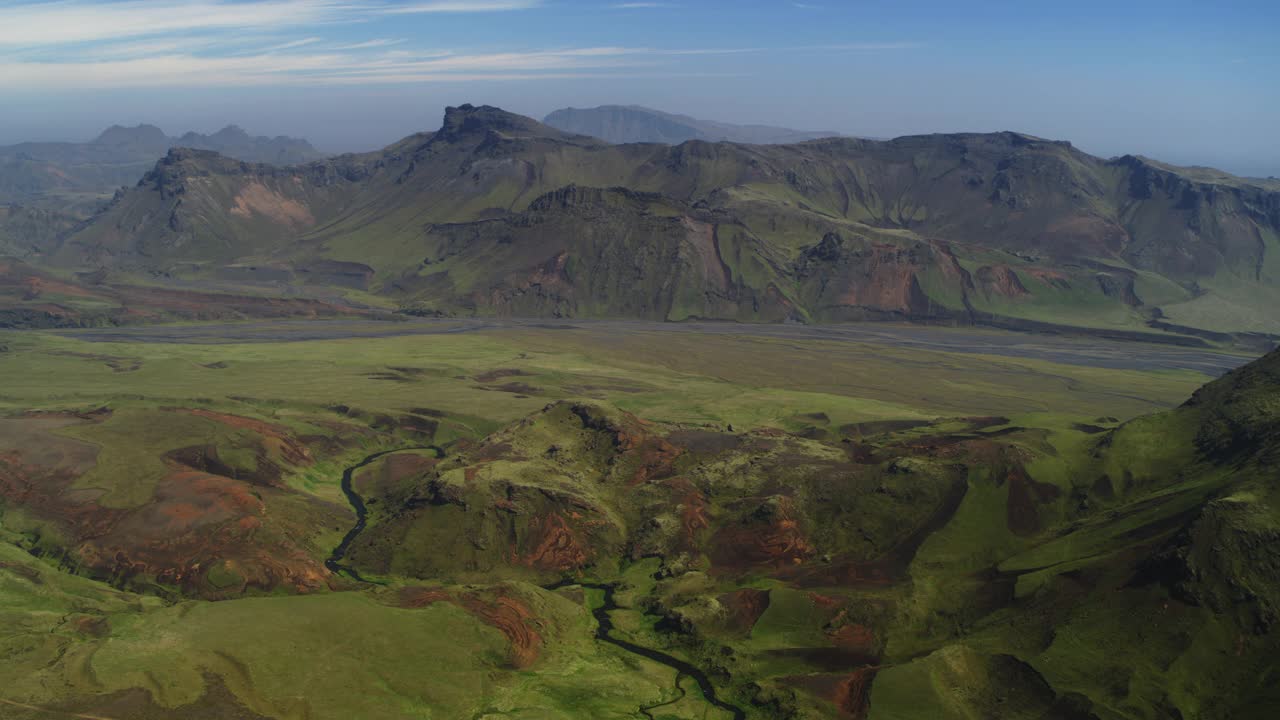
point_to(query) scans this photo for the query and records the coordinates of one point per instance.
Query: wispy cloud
(462, 6)
(34, 24)
(370, 44)
(77, 21)
(73, 44)
(289, 45)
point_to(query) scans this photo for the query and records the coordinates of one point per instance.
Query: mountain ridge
(75, 176)
(1001, 228)
(620, 124)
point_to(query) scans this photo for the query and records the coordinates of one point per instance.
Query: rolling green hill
(558, 522)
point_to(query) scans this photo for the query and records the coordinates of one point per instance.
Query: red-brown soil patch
(770, 536)
(850, 693)
(557, 545)
(825, 601)
(693, 506)
(197, 521)
(653, 456)
(498, 608)
(745, 607)
(886, 280)
(1025, 497)
(950, 264)
(257, 199)
(277, 439)
(1001, 280)
(194, 522)
(392, 472)
(17, 279)
(850, 573)
(1052, 278)
(92, 626)
(855, 638)
(853, 695)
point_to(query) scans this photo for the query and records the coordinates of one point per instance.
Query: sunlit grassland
(741, 380)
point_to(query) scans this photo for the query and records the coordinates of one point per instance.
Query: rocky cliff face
(496, 213)
(58, 175)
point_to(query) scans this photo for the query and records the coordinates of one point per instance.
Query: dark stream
(334, 563)
(604, 625)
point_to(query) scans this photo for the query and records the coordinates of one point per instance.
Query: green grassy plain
(281, 641)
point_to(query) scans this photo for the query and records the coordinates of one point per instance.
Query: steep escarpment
(592, 252)
(1002, 228)
(79, 177)
(201, 207)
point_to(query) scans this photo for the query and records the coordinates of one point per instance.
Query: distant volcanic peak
(121, 135)
(231, 133)
(469, 119)
(473, 122)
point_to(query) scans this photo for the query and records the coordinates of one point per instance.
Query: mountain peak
(230, 133)
(137, 135)
(469, 119)
(472, 121)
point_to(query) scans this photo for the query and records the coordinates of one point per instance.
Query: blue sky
(1187, 82)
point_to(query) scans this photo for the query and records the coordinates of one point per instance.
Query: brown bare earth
(256, 198)
(557, 545)
(195, 521)
(1001, 280)
(768, 536)
(745, 607)
(498, 607)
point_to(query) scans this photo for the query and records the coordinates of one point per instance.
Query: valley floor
(849, 521)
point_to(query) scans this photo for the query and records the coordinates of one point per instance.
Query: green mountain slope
(1002, 228)
(69, 176)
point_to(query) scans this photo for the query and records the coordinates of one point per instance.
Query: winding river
(604, 623)
(604, 626)
(334, 563)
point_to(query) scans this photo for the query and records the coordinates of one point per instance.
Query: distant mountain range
(76, 176)
(634, 124)
(497, 214)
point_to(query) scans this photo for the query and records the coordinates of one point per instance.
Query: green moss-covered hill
(166, 556)
(497, 214)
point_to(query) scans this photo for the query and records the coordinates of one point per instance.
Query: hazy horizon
(1180, 82)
